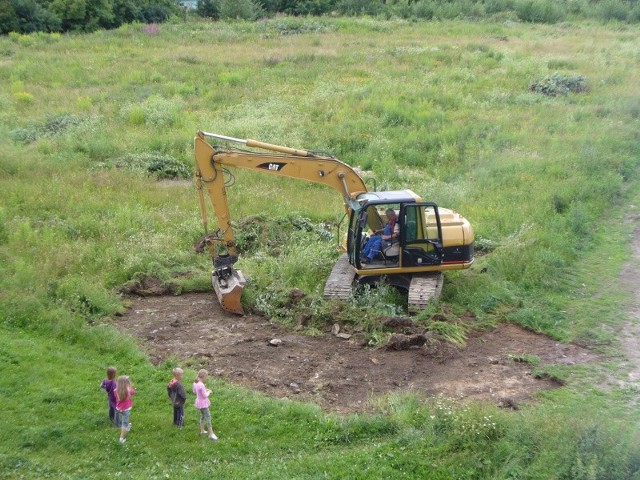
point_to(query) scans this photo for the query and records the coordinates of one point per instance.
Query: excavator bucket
(229, 289)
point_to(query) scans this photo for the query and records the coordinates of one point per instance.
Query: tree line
(27, 16)
(538, 11)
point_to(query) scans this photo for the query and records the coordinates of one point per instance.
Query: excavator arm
(211, 161)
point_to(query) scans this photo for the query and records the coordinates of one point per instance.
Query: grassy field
(92, 125)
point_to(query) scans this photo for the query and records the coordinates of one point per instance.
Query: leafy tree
(208, 9)
(33, 17)
(156, 11)
(8, 17)
(240, 9)
(126, 11)
(99, 15)
(72, 13)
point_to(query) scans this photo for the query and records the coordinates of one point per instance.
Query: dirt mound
(337, 371)
(148, 286)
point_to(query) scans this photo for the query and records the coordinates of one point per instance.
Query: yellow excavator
(427, 241)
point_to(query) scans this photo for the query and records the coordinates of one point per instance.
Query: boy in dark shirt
(178, 396)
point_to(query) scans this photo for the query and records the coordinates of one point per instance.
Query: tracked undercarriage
(422, 288)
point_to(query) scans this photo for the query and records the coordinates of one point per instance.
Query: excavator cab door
(420, 235)
(357, 224)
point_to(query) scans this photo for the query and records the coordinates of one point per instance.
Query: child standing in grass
(202, 403)
(178, 396)
(124, 402)
(109, 384)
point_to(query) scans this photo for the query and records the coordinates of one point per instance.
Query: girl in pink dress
(202, 403)
(124, 402)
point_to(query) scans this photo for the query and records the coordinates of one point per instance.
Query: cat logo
(274, 167)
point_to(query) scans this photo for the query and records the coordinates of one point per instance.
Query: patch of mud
(337, 371)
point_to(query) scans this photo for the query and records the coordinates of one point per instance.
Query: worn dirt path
(630, 279)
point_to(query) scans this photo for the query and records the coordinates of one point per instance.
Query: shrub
(613, 10)
(423, 9)
(496, 6)
(240, 9)
(54, 125)
(359, 7)
(557, 84)
(540, 11)
(208, 9)
(157, 165)
(312, 7)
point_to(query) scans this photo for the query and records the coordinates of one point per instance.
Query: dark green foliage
(127, 11)
(8, 17)
(27, 16)
(557, 84)
(540, 11)
(496, 6)
(359, 7)
(158, 165)
(313, 7)
(240, 9)
(53, 125)
(298, 7)
(209, 9)
(620, 10)
(156, 11)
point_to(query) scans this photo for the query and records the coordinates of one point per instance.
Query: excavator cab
(418, 245)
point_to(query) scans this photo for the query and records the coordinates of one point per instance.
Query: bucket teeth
(229, 290)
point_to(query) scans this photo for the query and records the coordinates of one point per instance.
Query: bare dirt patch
(630, 279)
(341, 374)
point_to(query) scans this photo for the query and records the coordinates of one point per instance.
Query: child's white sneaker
(122, 440)
(213, 437)
(129, 427)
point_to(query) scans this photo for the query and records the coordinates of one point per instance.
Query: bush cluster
(538, 11)
(53, 125)
(27, 16)
(557, 84)
(154, 164)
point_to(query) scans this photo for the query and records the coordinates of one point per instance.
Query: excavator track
(339, 284)
(423, 289)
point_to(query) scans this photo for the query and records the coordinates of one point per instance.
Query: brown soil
(336, 370)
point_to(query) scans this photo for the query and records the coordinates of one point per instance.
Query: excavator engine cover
(228, 284)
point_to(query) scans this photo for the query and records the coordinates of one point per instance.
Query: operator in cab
(390, 232)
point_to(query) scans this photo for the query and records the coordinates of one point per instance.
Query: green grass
(90, 123)
(59, 428)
